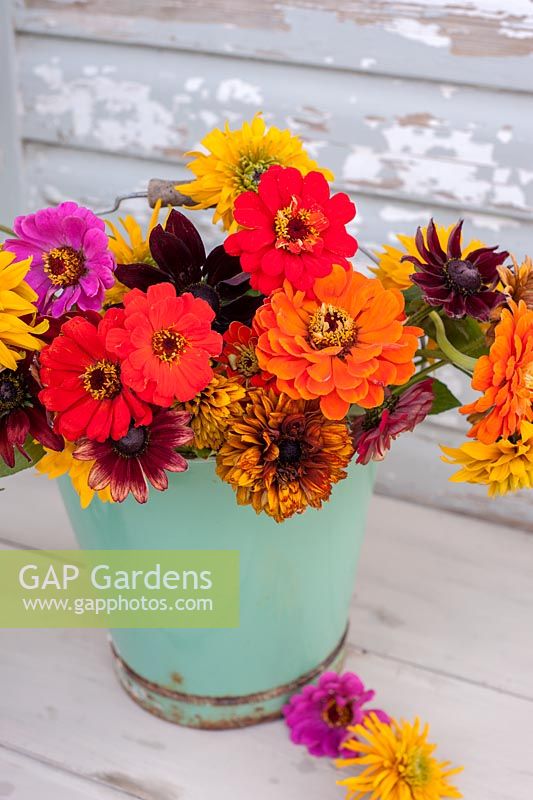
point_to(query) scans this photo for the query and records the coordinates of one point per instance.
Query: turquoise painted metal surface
(296, 583)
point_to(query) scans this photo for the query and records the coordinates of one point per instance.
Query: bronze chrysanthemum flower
(283, 455)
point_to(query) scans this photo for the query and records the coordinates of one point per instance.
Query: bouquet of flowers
(124, 354)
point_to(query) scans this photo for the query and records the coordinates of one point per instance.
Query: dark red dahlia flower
(462, 283)
(179, 253)
(144, 454)
(374, 431)
(22, 414)
(293, 229)
(82, 382)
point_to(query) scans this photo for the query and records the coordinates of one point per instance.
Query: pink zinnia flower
(71, 261)
(374, 432)
(319, 716)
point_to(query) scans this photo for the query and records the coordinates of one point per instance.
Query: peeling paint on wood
(475, 41)
(398, 139)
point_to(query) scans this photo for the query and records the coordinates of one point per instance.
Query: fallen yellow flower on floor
(504, 466)
(398, 763)
(55, 464)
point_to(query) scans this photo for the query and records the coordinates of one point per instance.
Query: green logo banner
(119, 589)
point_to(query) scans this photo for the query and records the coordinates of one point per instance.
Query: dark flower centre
(12, 392)
(290, 452)
(463, 276)
(337, 716)
(102, 380)
(207, 293)
(332, 327)
(168, 345)
(134, 443)
(299, 229)
(64, 266)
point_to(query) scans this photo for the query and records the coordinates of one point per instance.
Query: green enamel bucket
(296, 582)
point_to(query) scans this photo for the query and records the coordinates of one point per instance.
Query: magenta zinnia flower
(71, 261)
(319, 716)
(146, 452)
(374, 431)
(463, 284)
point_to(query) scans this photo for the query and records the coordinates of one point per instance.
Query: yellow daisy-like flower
(235, 162)
(517, 282)
(505, 466)
(133, 249)
(393, 273)
(55, 464)
(212, 410)
(398, 763)
(16, 300)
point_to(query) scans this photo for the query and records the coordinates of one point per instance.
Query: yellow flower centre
(414, 767)
(332, 327)
(64, 266)
(102, 380)
(245, 361)
(249, 170)
(298, 229)
(337, 716)
(168, 345)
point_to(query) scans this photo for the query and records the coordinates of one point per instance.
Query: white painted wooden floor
(441, 627)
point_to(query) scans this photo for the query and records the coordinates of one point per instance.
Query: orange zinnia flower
(505, 377)
(342, 346)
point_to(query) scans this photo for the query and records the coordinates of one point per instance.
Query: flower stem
(5, 229)
(458, 359)
(369, 254)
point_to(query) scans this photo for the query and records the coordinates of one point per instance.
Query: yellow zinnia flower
(236, 160)
(398, 763)
(16, 300)
(394, 274)
(212, 410)
(55, 464)
(505, 466)
(135, 249)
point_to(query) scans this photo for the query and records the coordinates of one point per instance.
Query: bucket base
(218, 713)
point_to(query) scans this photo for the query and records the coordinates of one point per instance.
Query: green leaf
(466, 335)
(443, 399)
(35, 452)
(413, 300)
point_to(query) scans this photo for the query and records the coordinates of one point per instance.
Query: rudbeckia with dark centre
(22, 414)
(463, 284)
(180, 256)
(282, 456)
(144, 454)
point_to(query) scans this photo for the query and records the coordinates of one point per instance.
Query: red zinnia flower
(166, 344)
(294, 230)
(144, 453)
(238, 358)
(374, 431)
(82, 382)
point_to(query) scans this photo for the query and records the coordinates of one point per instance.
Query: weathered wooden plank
(25, 778)
(408, 140)
(59, 173)
(10, 147)
(97, 732)
(487, 42)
